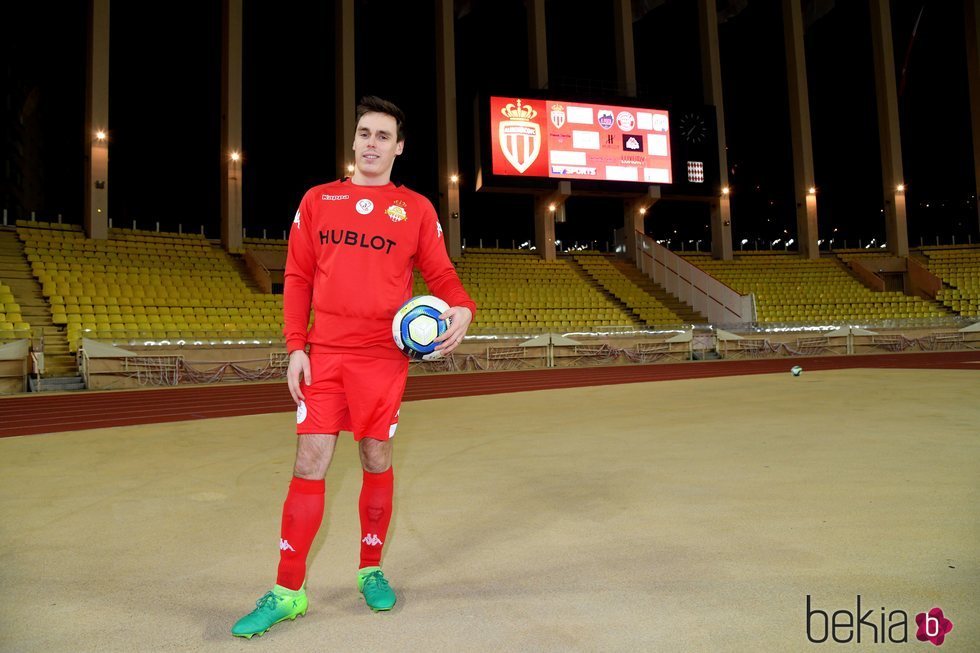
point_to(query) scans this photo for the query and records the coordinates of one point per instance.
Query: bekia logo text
(846, 627)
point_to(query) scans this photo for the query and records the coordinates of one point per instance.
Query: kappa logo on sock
(284, 545)
(372, 540)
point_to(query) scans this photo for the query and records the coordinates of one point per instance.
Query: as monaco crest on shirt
(557, 115)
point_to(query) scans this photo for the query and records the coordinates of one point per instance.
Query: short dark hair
(374, 104)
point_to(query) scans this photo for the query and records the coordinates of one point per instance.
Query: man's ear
(400, 147)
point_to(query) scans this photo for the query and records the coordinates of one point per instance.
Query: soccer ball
(416, 325)
(796, 370)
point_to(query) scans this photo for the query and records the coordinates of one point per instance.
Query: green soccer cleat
(278, 604)
(374, 586)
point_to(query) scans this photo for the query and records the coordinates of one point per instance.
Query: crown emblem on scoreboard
(518, 112)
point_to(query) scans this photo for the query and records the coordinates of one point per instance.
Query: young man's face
(375, 147)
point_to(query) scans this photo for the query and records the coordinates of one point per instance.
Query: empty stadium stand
(791, 289)
(145, 285)
(959, 268)
(518, 292)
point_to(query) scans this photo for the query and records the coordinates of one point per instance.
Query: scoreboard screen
(557, 139)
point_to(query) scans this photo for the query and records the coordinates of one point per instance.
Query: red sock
(301, 517)
(375, 509)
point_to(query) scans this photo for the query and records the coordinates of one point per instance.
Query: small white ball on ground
(796, 370)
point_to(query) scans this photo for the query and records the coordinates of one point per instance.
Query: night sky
(164, 109)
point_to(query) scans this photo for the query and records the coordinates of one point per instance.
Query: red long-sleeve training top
(351, 253)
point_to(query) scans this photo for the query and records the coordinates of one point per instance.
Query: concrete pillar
(721, 223)
(721, 213)
(546, 209)
(346, 102)
(799, 122)
(448, 154)
(892, 175)
(972, 26)
(623, 38)
(635, 211)
(537, 52)
(544, 228)
(231, 125)
(97, 122)
(537, 44)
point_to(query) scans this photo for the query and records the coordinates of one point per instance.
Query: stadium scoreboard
(528, 143)
(559, 139)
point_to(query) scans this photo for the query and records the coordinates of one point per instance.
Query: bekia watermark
(873, 626)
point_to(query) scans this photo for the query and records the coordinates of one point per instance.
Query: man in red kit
(352, 248)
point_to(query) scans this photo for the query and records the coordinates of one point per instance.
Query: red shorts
(353, 393)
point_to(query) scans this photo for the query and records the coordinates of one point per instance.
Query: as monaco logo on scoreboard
(518, 137)
(557, 115)
(558, 139)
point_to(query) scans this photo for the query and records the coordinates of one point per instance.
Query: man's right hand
(299, 366)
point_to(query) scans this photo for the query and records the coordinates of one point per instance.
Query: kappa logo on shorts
(301, 412)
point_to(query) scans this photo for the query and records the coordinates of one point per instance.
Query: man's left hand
(459, 318)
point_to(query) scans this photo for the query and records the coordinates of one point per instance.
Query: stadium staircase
(687, 314)
(592, 281)
(645, 307)
(238, 262)
(60, 366)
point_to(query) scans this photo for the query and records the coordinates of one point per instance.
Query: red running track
(48, 413)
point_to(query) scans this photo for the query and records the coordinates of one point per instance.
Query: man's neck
(359, 179)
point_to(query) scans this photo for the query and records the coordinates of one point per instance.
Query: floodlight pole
(231, 125)
(448, 155)
(889, 130)
(972, 27)
(344, 85)
(721, 210)
(804, 186)
(97, 122)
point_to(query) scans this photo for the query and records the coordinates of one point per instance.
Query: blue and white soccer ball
(416, 326)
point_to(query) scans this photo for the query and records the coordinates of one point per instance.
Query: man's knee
(375, 455)
(308, 467)
(313, 455)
